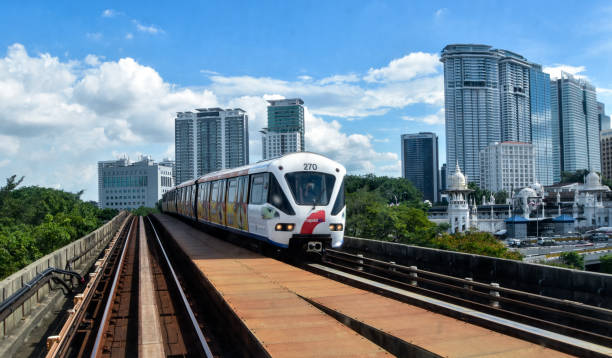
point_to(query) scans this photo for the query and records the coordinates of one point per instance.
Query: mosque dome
(592, 181)
(527, 193)
(537, 187)
(457, 180)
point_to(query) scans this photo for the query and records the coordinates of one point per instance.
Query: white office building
(128, 185)
(208, 140)
(507, 166)
(276, 144)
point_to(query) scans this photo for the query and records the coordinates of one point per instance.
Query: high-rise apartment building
(606, 153)
(575, 125)
(285, 122)
(507, 166)
(128, 185)
(472, 104)
(277, 144)
(514, 96)
(604, 120)
(420, 163)
(541, 124)
(210, 139)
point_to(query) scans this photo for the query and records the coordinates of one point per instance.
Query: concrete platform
(266, 294)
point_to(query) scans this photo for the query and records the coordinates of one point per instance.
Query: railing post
(360, 262)
(413, 276)
(468, 286)
(495, 294)
(392, 266)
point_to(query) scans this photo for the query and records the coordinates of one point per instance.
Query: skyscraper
(443, 177)
(575, 125)
(210, 139)
(420, 163)
(472, 104)
(493, 95)
(285, 122)
(604, 121)
(606, 153)
(541, 124)
(514, 96)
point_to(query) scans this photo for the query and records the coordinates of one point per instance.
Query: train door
(206, 199)
(214, 203)
(243, 202)
(222, 192)
(231, 212)
(180, 201)
(192, 193)
(257, 199)
(200, 202)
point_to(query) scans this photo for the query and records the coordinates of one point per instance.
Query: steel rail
(566, 303)
(111, 295)
(204, 346)
(59, 347)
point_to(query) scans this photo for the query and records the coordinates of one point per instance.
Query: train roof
(243, 170)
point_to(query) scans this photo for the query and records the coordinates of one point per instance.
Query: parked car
(545, 241)
(600, 236)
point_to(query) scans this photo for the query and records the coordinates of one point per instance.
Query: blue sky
(88, 82)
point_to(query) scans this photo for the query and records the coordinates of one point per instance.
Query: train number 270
(310, 166)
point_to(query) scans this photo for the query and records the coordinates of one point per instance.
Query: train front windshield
(310, 188)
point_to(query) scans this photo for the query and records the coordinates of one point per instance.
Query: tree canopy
(372, 213)
(35, 221)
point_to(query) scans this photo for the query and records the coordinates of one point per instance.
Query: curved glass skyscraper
(471, 97)
(494, 95)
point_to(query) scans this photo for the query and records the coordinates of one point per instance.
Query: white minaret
(458, 208)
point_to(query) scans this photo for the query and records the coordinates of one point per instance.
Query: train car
(294, 201)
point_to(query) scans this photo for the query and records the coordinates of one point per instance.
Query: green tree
(35, 221)
(144, 211)
(572, 259)
(606, 263)
(372, 213)
(574, 177)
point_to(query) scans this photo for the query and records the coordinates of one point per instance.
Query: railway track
(134, 305)
(569, 326)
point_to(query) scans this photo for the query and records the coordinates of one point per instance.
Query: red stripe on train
(312, 221)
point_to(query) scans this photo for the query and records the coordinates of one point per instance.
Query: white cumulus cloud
(437, 118)
(71, 114)
(555, 70)
(405, 68)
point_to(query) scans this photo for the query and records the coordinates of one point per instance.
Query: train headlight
(335, 227)
(284, 227)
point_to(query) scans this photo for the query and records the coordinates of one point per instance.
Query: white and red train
(295, 201)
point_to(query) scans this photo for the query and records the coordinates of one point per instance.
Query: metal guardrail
(29, 289)
(582, 321)
(72, 257)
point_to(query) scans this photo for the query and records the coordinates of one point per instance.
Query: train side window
(215, 191)
(232, 190)
(222, 189)
(259, 188)
(277, 198)
(245, 189)
(340, 200)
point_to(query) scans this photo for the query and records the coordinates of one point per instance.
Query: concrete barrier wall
(92, 244)
(582, 286)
